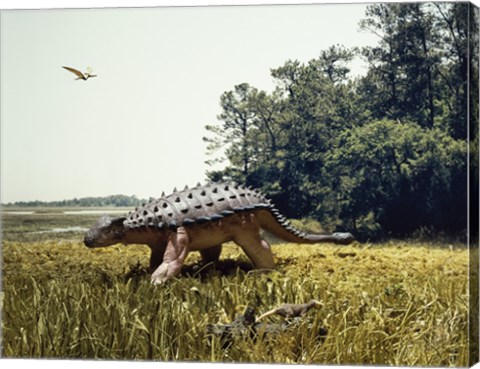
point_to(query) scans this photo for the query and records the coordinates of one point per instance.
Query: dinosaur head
(105, 232)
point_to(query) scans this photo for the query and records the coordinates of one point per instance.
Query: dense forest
(381, 154)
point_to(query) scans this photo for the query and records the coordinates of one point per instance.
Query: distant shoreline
(113, 201)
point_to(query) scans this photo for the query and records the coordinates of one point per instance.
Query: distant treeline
(112, 200)
(381, 154)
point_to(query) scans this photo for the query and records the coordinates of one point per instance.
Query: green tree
(419, 69)
(454, 21)
(401, 78)
(400, 177)
(384, 153)
(320, 102)
(235, 134)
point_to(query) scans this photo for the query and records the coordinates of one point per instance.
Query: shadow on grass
(222, 268)
(202, 271)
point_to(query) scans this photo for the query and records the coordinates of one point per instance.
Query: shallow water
(65, 229)
(87, 212)
(67, 212)
(18, 212)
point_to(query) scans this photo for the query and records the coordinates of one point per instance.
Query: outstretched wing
(89, 73)
(74, 71)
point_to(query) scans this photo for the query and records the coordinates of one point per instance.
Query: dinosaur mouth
(88, 241)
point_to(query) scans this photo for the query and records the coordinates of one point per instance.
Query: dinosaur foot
(163, 273)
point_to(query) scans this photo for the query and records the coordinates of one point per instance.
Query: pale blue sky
(137, 128)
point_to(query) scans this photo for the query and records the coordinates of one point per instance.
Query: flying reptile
(88, 74)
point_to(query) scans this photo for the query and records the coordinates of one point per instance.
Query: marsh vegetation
(395, 303)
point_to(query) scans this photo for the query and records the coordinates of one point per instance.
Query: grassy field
(396, 303)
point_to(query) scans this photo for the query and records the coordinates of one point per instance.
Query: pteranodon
(88, 74)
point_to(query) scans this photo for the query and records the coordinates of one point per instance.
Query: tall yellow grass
(397, 303)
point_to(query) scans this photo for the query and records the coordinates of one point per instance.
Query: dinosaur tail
(272, 221)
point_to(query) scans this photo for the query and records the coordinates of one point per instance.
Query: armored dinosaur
(202, 219)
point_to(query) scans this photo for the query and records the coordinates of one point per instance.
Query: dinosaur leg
(175, 254)
(156, 257)
(211, 254)
(257, 250)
